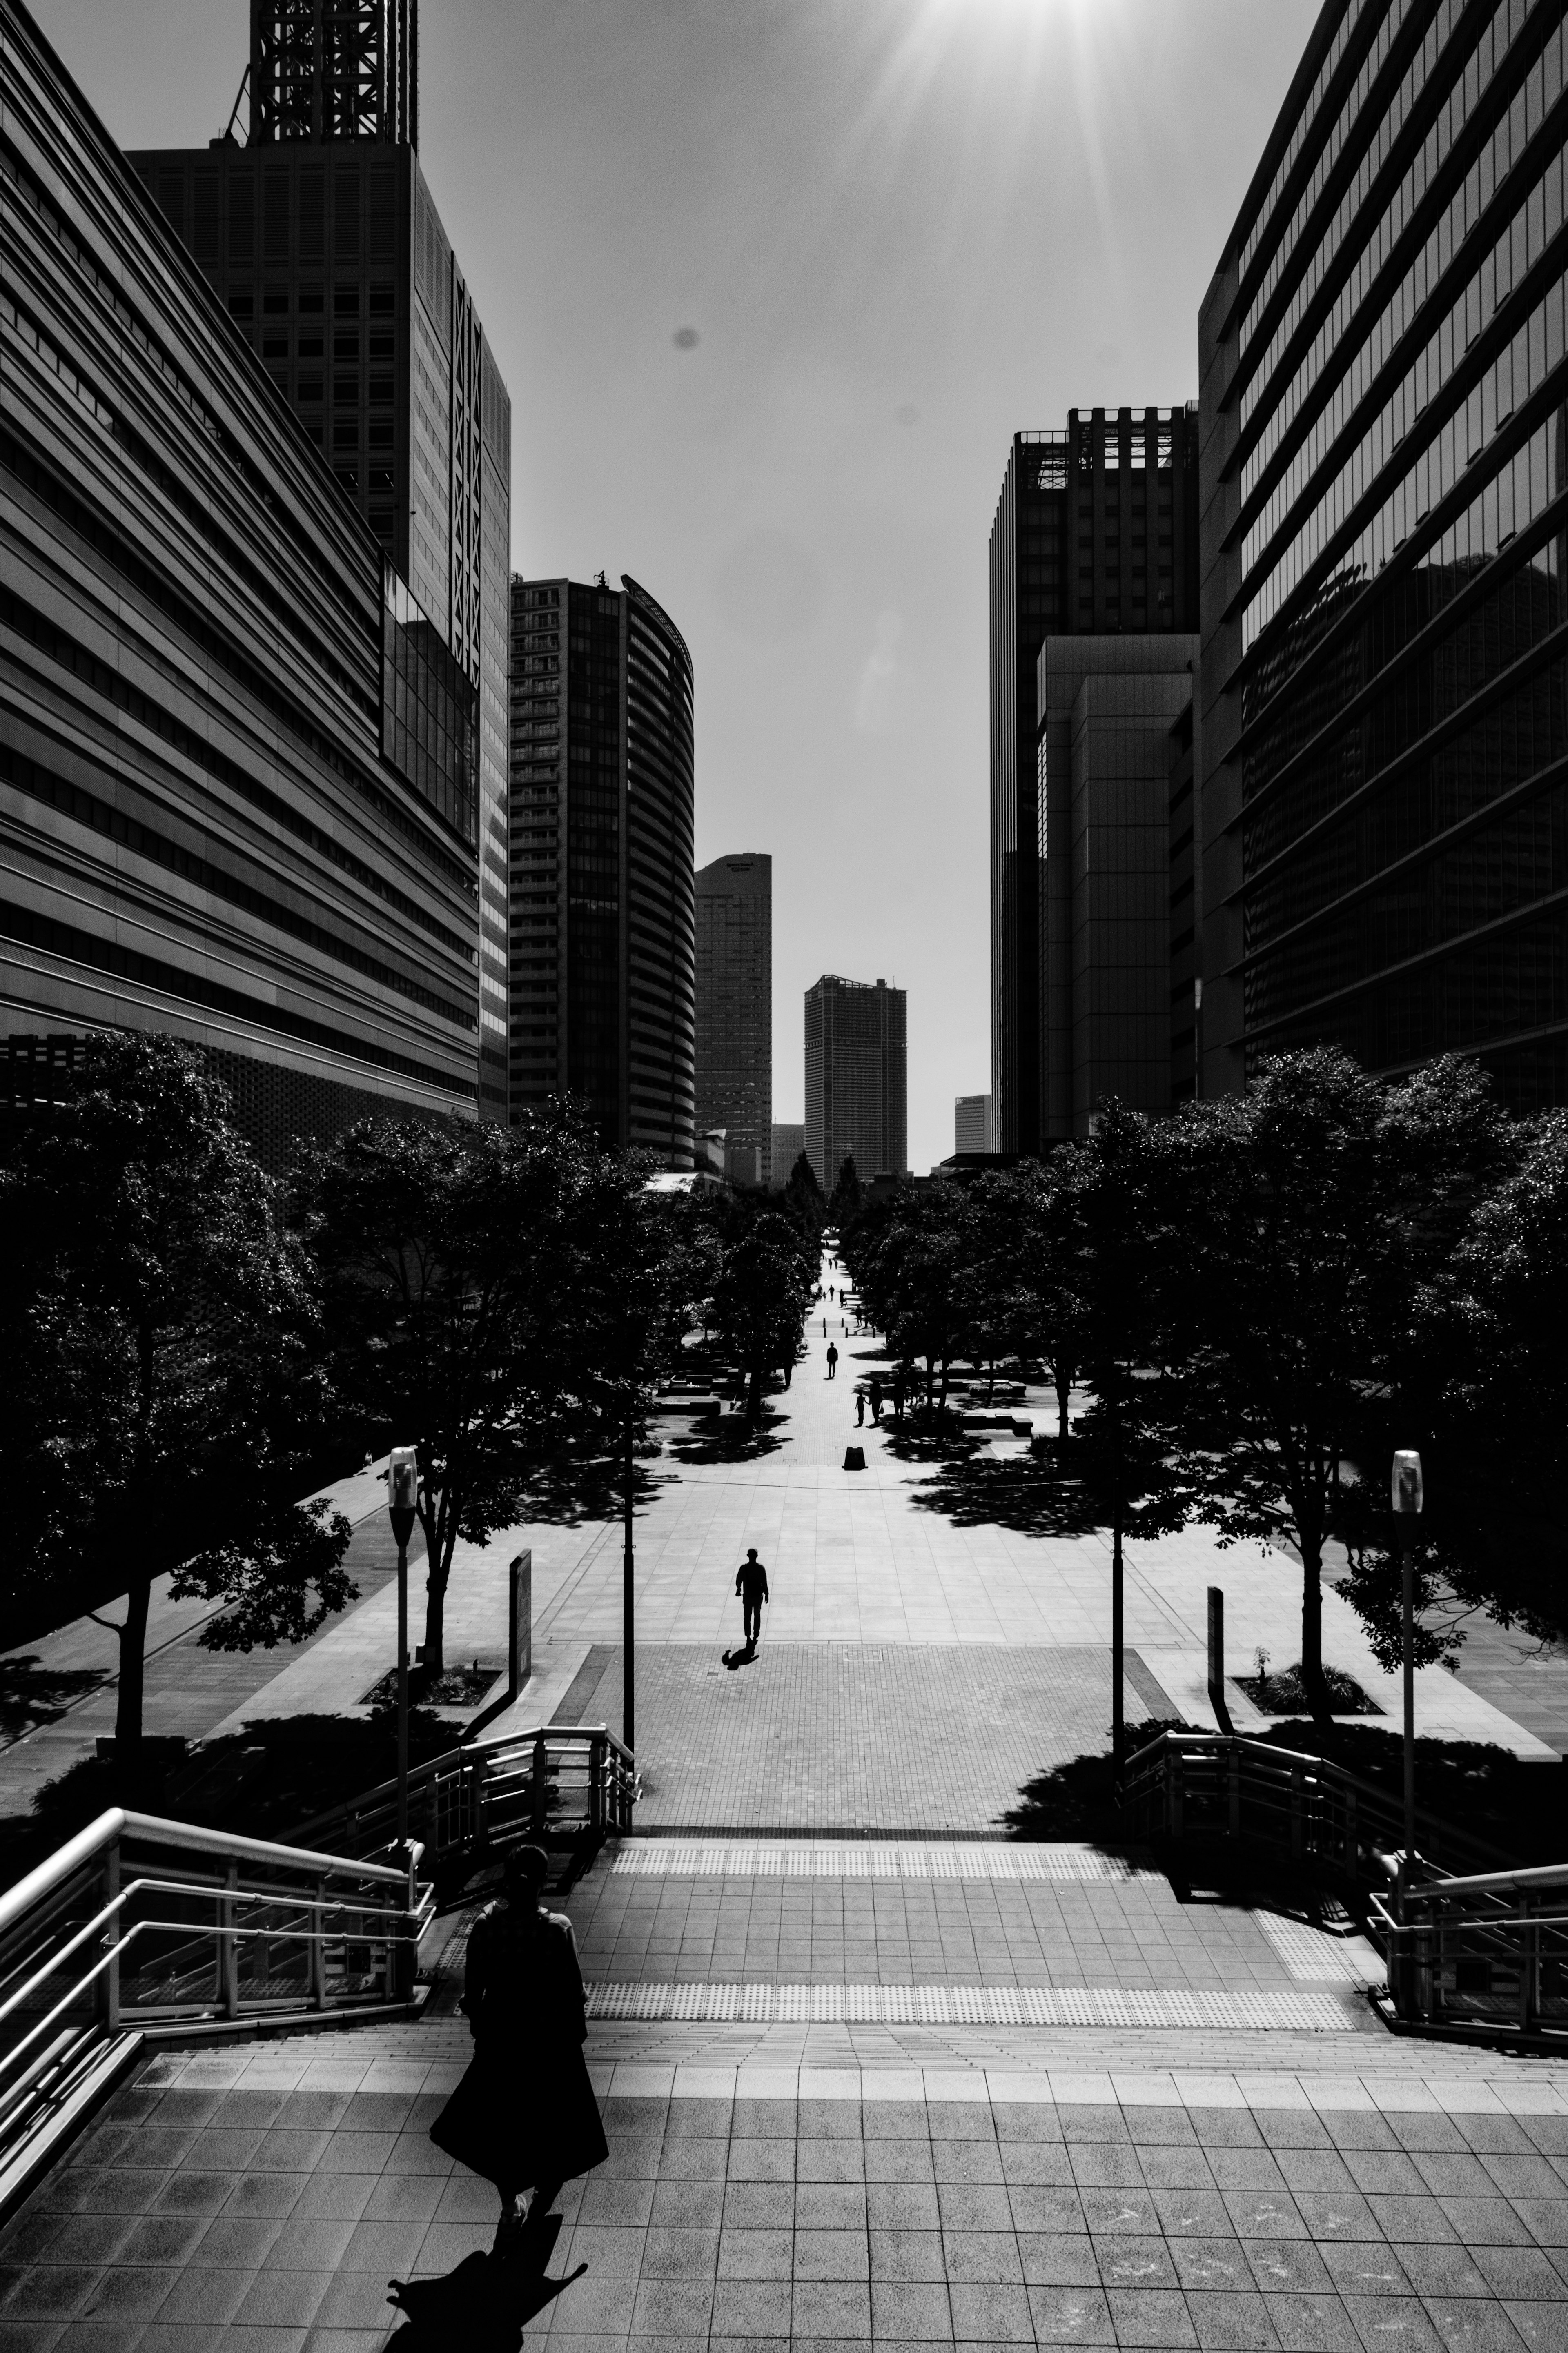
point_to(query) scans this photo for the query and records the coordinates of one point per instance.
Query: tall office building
(1106, 709)
(971, 1124)
(856, 1078)
(789, 1143)
(603, 948)
(1096, 532)
(1383, 704)
(321, 237)
(735, 1011)
(237, 773)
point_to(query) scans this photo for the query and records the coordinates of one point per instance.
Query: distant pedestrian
(876, 1401)
(524, 2114)
(824, 1327)
(860, 1409)
(751, 1584)
(898, 1395)
(832, 1358)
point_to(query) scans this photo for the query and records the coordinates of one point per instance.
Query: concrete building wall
(735, 1009)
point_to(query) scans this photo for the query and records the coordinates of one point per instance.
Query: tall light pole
(628, 1612)
(402, 1509)
(1407, 1497)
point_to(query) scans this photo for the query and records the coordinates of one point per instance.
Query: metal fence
(159, 1927)
(552, 1781)
(1218, 1785)
(1487, 1954)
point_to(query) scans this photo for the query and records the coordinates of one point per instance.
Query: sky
(772, 283)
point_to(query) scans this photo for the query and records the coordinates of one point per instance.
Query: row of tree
(1259, 1299)
(187, 1344)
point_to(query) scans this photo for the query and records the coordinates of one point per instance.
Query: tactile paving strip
(948, 2005)
(1313, 1956)
(863, 1859)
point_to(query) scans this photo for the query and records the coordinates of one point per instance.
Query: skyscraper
(789, 1143)
(1106, 709)
(603, 947)
(237, 766)
(1096, 532)
(735, 1010)
(971, 1124)
(321, 237)
(1383, 721)
(856, 1078)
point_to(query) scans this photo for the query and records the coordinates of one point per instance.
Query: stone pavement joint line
(970, 2005)
(657, 1858)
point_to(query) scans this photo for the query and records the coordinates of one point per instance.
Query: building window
(345, 436)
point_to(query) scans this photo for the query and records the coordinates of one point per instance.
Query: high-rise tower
(735, 1011)
(1096, 533)
(321, 236)
(602, 925)
(856, 1078)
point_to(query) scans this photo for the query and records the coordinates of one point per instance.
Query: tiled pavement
(832, 2209)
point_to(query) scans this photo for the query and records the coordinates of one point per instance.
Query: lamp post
(1407, 1497)
(628, 1607)
(402, 1509)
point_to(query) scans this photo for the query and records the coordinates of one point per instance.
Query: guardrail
(1215, 1784)
(138, 1927)
(1484, 1954)
(552, 1780)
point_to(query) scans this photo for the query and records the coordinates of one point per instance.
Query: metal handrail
(72, 1933)
(492, 1794)
(1479, 1957)
(1224, 1782)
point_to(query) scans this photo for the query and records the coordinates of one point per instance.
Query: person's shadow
(741, 1658)
(484, 2304)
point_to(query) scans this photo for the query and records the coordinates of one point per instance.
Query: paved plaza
(873, 2075)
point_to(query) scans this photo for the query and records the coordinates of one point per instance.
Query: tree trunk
(754, 1395)
(947, 1368)
(1312, 1681)
(132, 1668)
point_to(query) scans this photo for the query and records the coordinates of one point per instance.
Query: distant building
(321, 238)
(1107, 708)
(1383, 720)
(1096, 533)
(602, 926)
(239, 776)
(735, 1011)
(856, 1078)
(789, 1143)
(971, 1124)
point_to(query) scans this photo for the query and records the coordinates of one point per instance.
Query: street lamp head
(402, 1491)
(1406, 1492)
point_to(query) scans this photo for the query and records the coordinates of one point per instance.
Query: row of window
(1470, 309)
(1335, 347)
(309, 302)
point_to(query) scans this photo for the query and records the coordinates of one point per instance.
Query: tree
(469, 1271)
(848, 1195)
(1303, 1212)
(162, 1390)
(910, 1266)
(803, 1196)
(761, 1292)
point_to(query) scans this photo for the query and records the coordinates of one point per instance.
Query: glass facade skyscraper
(321, 236)
(238, 775)
(1096, 533)
(603, 944)
(1384, 696)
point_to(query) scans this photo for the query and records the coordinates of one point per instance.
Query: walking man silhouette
(832, 1358)
(751, 1584)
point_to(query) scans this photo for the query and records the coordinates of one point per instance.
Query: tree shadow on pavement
(32, 1694)
(729, 1438)
(974, 1487)
(1077, 1801)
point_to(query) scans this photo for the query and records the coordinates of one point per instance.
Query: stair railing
(1485, 1954)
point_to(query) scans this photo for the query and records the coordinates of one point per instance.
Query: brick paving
(887, 1736)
